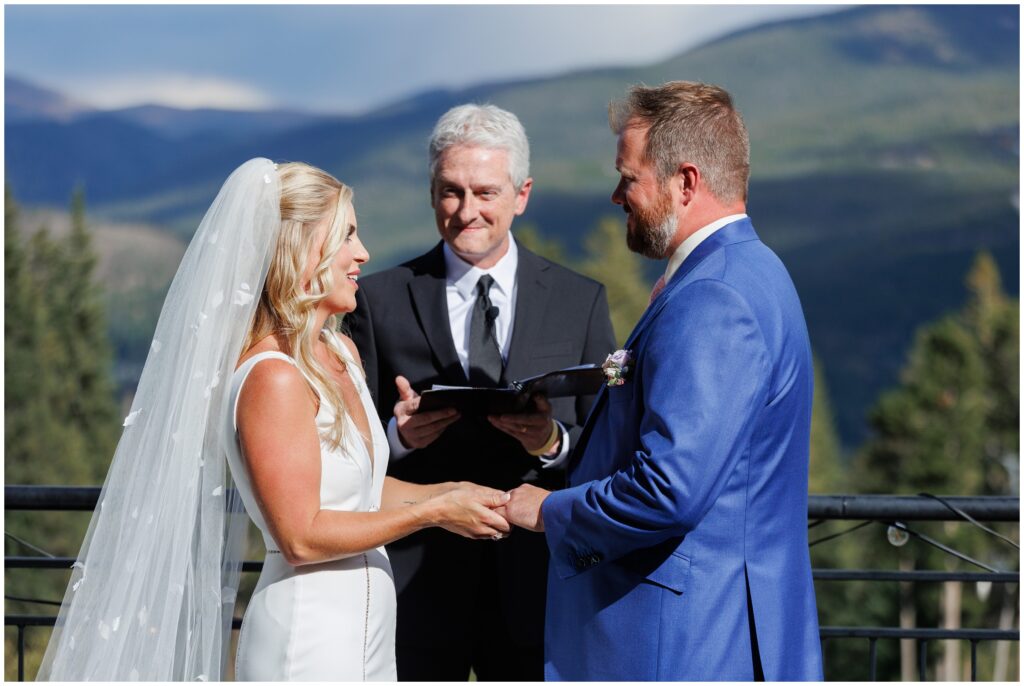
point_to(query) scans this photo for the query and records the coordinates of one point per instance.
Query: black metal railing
(890, 510)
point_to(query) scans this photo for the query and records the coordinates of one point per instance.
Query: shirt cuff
(557, 460)
(398, 451)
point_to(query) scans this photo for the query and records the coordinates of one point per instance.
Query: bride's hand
(468, 510)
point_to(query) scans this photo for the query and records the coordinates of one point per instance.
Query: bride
(246, 370)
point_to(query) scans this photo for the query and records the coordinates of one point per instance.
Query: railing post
(21, 652)
(974, 660)
(922, 658)
(873, 656)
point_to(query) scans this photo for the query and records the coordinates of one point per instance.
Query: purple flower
(616, 367)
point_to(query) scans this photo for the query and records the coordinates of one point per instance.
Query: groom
(679, 550)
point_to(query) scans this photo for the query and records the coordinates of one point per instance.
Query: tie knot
(483, 286)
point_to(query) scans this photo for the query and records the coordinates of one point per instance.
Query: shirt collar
(693, 240)
(464, 276)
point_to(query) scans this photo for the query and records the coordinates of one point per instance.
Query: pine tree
(92, 409)
(950, 428)
(827, 473)
(608, 260)
(531, 238)
(60, 418)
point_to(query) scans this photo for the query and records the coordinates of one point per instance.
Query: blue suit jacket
(688, 489)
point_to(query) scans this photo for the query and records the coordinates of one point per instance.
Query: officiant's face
(475, 202)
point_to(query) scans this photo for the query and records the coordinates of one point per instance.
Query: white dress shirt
(693, 240)
(460, 288)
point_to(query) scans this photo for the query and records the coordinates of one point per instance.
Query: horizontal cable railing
(891, 510)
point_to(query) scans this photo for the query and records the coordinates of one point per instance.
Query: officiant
(480, 310)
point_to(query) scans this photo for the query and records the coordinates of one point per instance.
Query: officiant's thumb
(405, 391)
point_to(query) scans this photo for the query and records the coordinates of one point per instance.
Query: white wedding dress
(331, 621)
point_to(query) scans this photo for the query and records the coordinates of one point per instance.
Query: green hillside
(885, 154)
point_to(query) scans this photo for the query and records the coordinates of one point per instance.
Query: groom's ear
(687, 178)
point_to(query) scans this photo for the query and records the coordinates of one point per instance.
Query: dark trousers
(470, 605)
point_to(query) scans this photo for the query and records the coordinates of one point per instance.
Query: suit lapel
(531, 294)
(737, 232)
(588, 428)
(430, 300)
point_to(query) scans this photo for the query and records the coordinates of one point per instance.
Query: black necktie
(484, 356)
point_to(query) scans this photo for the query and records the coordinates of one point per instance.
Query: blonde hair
(286, 308)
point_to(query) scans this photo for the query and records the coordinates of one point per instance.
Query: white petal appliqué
(228, 594)
(156, 345)
(143, 615)
(218, 298)
(135, 513)
(217, 491)
(243, 296)
(74, 586)
(132, 416)
(213, 237)
(104, 630)
(117, 623)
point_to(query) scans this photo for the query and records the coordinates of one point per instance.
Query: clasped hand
(470, 510)
(476, 511)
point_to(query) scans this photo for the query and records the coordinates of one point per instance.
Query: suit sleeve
(702, 372)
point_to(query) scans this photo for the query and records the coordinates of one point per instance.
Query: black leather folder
(518, 396)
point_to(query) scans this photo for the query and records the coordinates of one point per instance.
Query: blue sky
(346, 58)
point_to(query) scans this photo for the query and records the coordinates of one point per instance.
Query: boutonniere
(616, 367)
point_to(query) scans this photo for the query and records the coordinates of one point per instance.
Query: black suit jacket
(401, 327)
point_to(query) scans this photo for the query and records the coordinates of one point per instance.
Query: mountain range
(885, 154)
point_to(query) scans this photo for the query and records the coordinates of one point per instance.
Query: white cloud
(174, 90)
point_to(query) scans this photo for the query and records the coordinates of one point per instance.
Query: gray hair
(690, 122)
(486, 126)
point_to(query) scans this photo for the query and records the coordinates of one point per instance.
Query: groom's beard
(653, 229)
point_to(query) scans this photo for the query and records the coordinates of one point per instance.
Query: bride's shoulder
(275, 382)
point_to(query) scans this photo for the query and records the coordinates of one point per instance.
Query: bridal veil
(152, 592)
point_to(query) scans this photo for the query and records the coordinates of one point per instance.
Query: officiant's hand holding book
(516, 397)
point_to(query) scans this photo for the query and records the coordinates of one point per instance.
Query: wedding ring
(497, 537)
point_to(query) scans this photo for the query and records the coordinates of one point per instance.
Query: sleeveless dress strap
(242, 373)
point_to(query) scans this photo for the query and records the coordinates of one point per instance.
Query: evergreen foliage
(827, 472)
(951, 427)
(606, 259)
(61, 419)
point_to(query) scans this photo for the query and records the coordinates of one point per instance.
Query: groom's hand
(533, 430)
(523, 508)
(418, 430)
